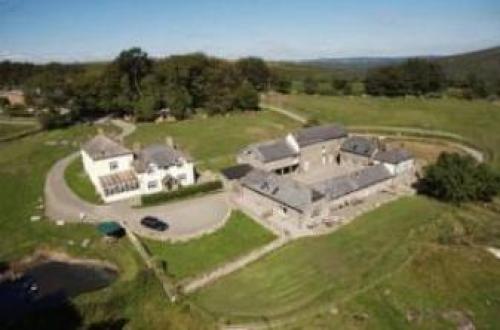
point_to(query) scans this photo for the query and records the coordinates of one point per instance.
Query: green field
(79, 182)
(213, 142)
(475, 120)
(239, 236)
(399, 246)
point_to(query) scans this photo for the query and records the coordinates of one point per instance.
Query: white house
(161, 167)
(118, 173)
(397, 161)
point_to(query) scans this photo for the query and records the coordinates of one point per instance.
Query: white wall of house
(319, 154)
(98, 168)
(152, 181)
(149, 183)
(397, 169)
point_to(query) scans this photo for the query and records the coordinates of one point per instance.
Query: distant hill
(353, 65)
(484, 63)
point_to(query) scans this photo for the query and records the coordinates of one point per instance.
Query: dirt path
(301, 119)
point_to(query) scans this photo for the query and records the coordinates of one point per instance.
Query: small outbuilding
(358, 150)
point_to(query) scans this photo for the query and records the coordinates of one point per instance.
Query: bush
(181, 193)
(52, 120)
(455, 178)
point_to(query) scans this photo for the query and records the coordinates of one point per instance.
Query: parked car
(154, 223)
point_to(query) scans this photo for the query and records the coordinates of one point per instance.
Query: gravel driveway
(187, 219)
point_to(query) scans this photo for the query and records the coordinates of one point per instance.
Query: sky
(88, 30)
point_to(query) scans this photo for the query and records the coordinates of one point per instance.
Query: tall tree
(310, 86)
(247, 97)
(136, 64)
(254, 70)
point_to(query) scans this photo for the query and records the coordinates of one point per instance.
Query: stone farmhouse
(311, 173)
(119, 173)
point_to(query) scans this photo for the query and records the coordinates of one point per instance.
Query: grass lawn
(79, 182)
(393, 245)
(239, 236)
(8, 130)
(136, 298)
(213, 142)
(475, 120)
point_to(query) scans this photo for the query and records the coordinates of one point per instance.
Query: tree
(476, 86)
(457, 179)
(342, 86)
(310, 86)
(414, 77)
(145, 109)
(179, 101)
(283, 86)
(254, 70)
(247, 97)
(135, 64)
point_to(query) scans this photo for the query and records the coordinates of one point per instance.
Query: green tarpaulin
(109, 228)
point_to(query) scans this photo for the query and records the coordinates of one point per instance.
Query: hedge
(183, 192)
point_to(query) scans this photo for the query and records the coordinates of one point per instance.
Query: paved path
(233, 266)
(187, 219)
(126, 127)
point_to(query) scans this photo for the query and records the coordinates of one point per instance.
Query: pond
(48, 284)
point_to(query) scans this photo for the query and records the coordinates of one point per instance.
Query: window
(152, 184)
(181, 177)
(113, 165)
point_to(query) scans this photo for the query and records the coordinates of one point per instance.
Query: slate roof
(317, 134)
(161, 155)
(281, 189)
(236, 172)
(101, 147)
(393, 156)
(271, 151)
(359, 145)
(340, 186)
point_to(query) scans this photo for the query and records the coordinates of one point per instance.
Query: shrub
(181, 193)
(455, 178)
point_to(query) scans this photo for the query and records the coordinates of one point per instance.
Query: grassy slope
(136, 297)
(477, 121)
(239, 236)
(213, 142)
(392, 248)
(79, 182)
(337, 264)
